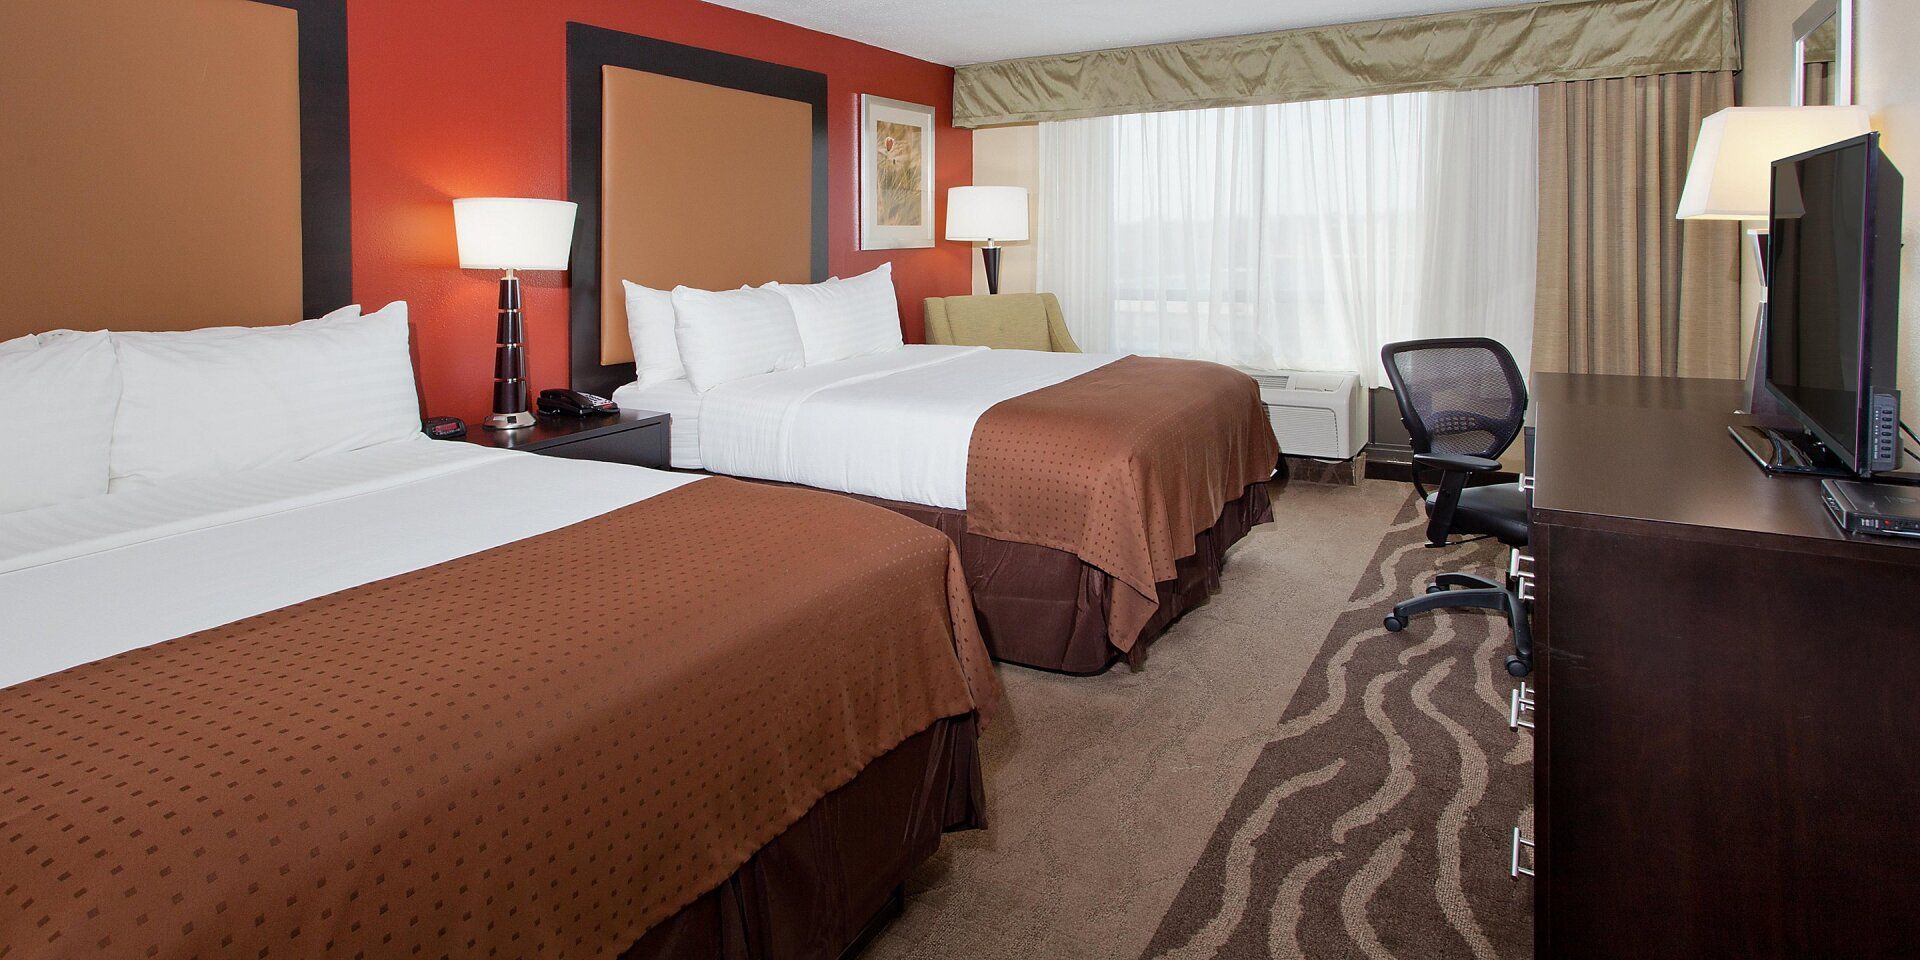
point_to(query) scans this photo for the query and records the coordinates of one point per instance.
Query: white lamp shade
(1732, 165)
(987, 213)
(513, 233)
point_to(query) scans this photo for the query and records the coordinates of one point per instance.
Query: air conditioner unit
(1315, 414)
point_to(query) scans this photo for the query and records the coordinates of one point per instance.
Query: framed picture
(896, 174)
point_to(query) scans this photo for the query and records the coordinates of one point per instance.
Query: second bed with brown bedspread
(1125, 467)
(1101, 508)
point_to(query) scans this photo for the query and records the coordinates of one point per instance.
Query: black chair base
(1455, 590)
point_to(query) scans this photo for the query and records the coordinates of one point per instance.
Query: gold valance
(1477, 49)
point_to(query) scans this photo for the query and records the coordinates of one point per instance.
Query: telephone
(573, 403)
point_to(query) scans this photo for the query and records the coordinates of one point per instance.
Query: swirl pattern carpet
(1283, 779)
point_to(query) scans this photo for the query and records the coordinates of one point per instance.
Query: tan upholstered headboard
(690, 167)
(700, 185)
(151, 163)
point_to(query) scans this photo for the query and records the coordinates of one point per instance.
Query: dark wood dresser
(1727, 693)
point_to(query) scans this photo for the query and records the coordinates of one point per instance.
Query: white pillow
(235, 398)
(656, 351)
(349, 312)
(730, 334)
(35, 340)
(846, 318)
(64, 392)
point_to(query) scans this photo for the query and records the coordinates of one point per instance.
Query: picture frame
(896, 174)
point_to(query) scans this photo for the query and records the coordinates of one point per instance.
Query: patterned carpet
(1378, 823)
(1283, 779)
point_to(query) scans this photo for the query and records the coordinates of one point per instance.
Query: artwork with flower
(899, 161)
(896, 174)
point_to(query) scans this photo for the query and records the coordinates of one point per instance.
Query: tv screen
(1815, 304)
(1833, 311)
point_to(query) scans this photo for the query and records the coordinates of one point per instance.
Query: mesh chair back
(1457, 395)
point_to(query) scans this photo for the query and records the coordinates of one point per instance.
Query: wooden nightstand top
(555, 431)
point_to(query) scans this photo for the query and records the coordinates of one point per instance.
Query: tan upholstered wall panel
(701, 185)
(149, 164)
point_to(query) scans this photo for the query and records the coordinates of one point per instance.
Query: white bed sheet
(85, 580)
(895, 425)
(676, 397)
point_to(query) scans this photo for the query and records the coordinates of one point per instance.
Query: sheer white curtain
(1298, 236)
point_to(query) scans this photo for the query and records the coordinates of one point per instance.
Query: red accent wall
(453, 98)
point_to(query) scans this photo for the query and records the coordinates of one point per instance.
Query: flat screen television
(1833, 303)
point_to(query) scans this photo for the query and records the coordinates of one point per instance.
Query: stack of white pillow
(100, 412)
(709, 337)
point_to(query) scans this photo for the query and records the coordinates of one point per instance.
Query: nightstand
(638, 437)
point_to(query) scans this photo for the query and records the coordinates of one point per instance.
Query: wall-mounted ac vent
(1314, 414)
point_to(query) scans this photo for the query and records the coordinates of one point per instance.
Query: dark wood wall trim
(326, 196)
(589, 48)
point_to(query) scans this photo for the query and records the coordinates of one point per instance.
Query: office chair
(1463, 403)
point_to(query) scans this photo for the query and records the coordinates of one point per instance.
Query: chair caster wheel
(1518, 667)
(1395, 624)
(1436, 588)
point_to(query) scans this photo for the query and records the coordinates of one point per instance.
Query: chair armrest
(1057, 334)
(1455, 461)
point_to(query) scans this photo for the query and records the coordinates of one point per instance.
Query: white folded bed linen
(675, 397)
(88, 579)
(895, 425)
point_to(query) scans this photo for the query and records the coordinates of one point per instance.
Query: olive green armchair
(1007, 321)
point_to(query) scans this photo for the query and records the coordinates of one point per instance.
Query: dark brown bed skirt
(1046, 608)
(829, 881)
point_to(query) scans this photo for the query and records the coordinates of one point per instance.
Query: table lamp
(991, 214)
(1731, 178)
(512, 234)
(1732, 169)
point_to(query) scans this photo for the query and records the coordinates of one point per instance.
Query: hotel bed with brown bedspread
(1101, 508)
(1146, 470)
(1097, 509)
(430, 764)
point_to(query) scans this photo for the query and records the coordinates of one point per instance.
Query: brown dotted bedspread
(480, 758)
(1121, 466)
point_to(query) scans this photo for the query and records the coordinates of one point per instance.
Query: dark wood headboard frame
(590, 48)
(326, 195)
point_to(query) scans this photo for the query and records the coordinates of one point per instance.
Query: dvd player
(1886, 510)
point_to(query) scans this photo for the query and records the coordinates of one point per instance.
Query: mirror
(1823, 55)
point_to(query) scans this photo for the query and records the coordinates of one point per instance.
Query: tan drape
(1623, 286)
(1471, 50)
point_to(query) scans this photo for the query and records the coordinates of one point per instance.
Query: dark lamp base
(511, 421)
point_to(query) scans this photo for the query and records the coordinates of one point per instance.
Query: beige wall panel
(149, 164)
(701, 185)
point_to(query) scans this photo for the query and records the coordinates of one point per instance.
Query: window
(1298, 236)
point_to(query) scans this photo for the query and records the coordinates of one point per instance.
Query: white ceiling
(954, 32)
